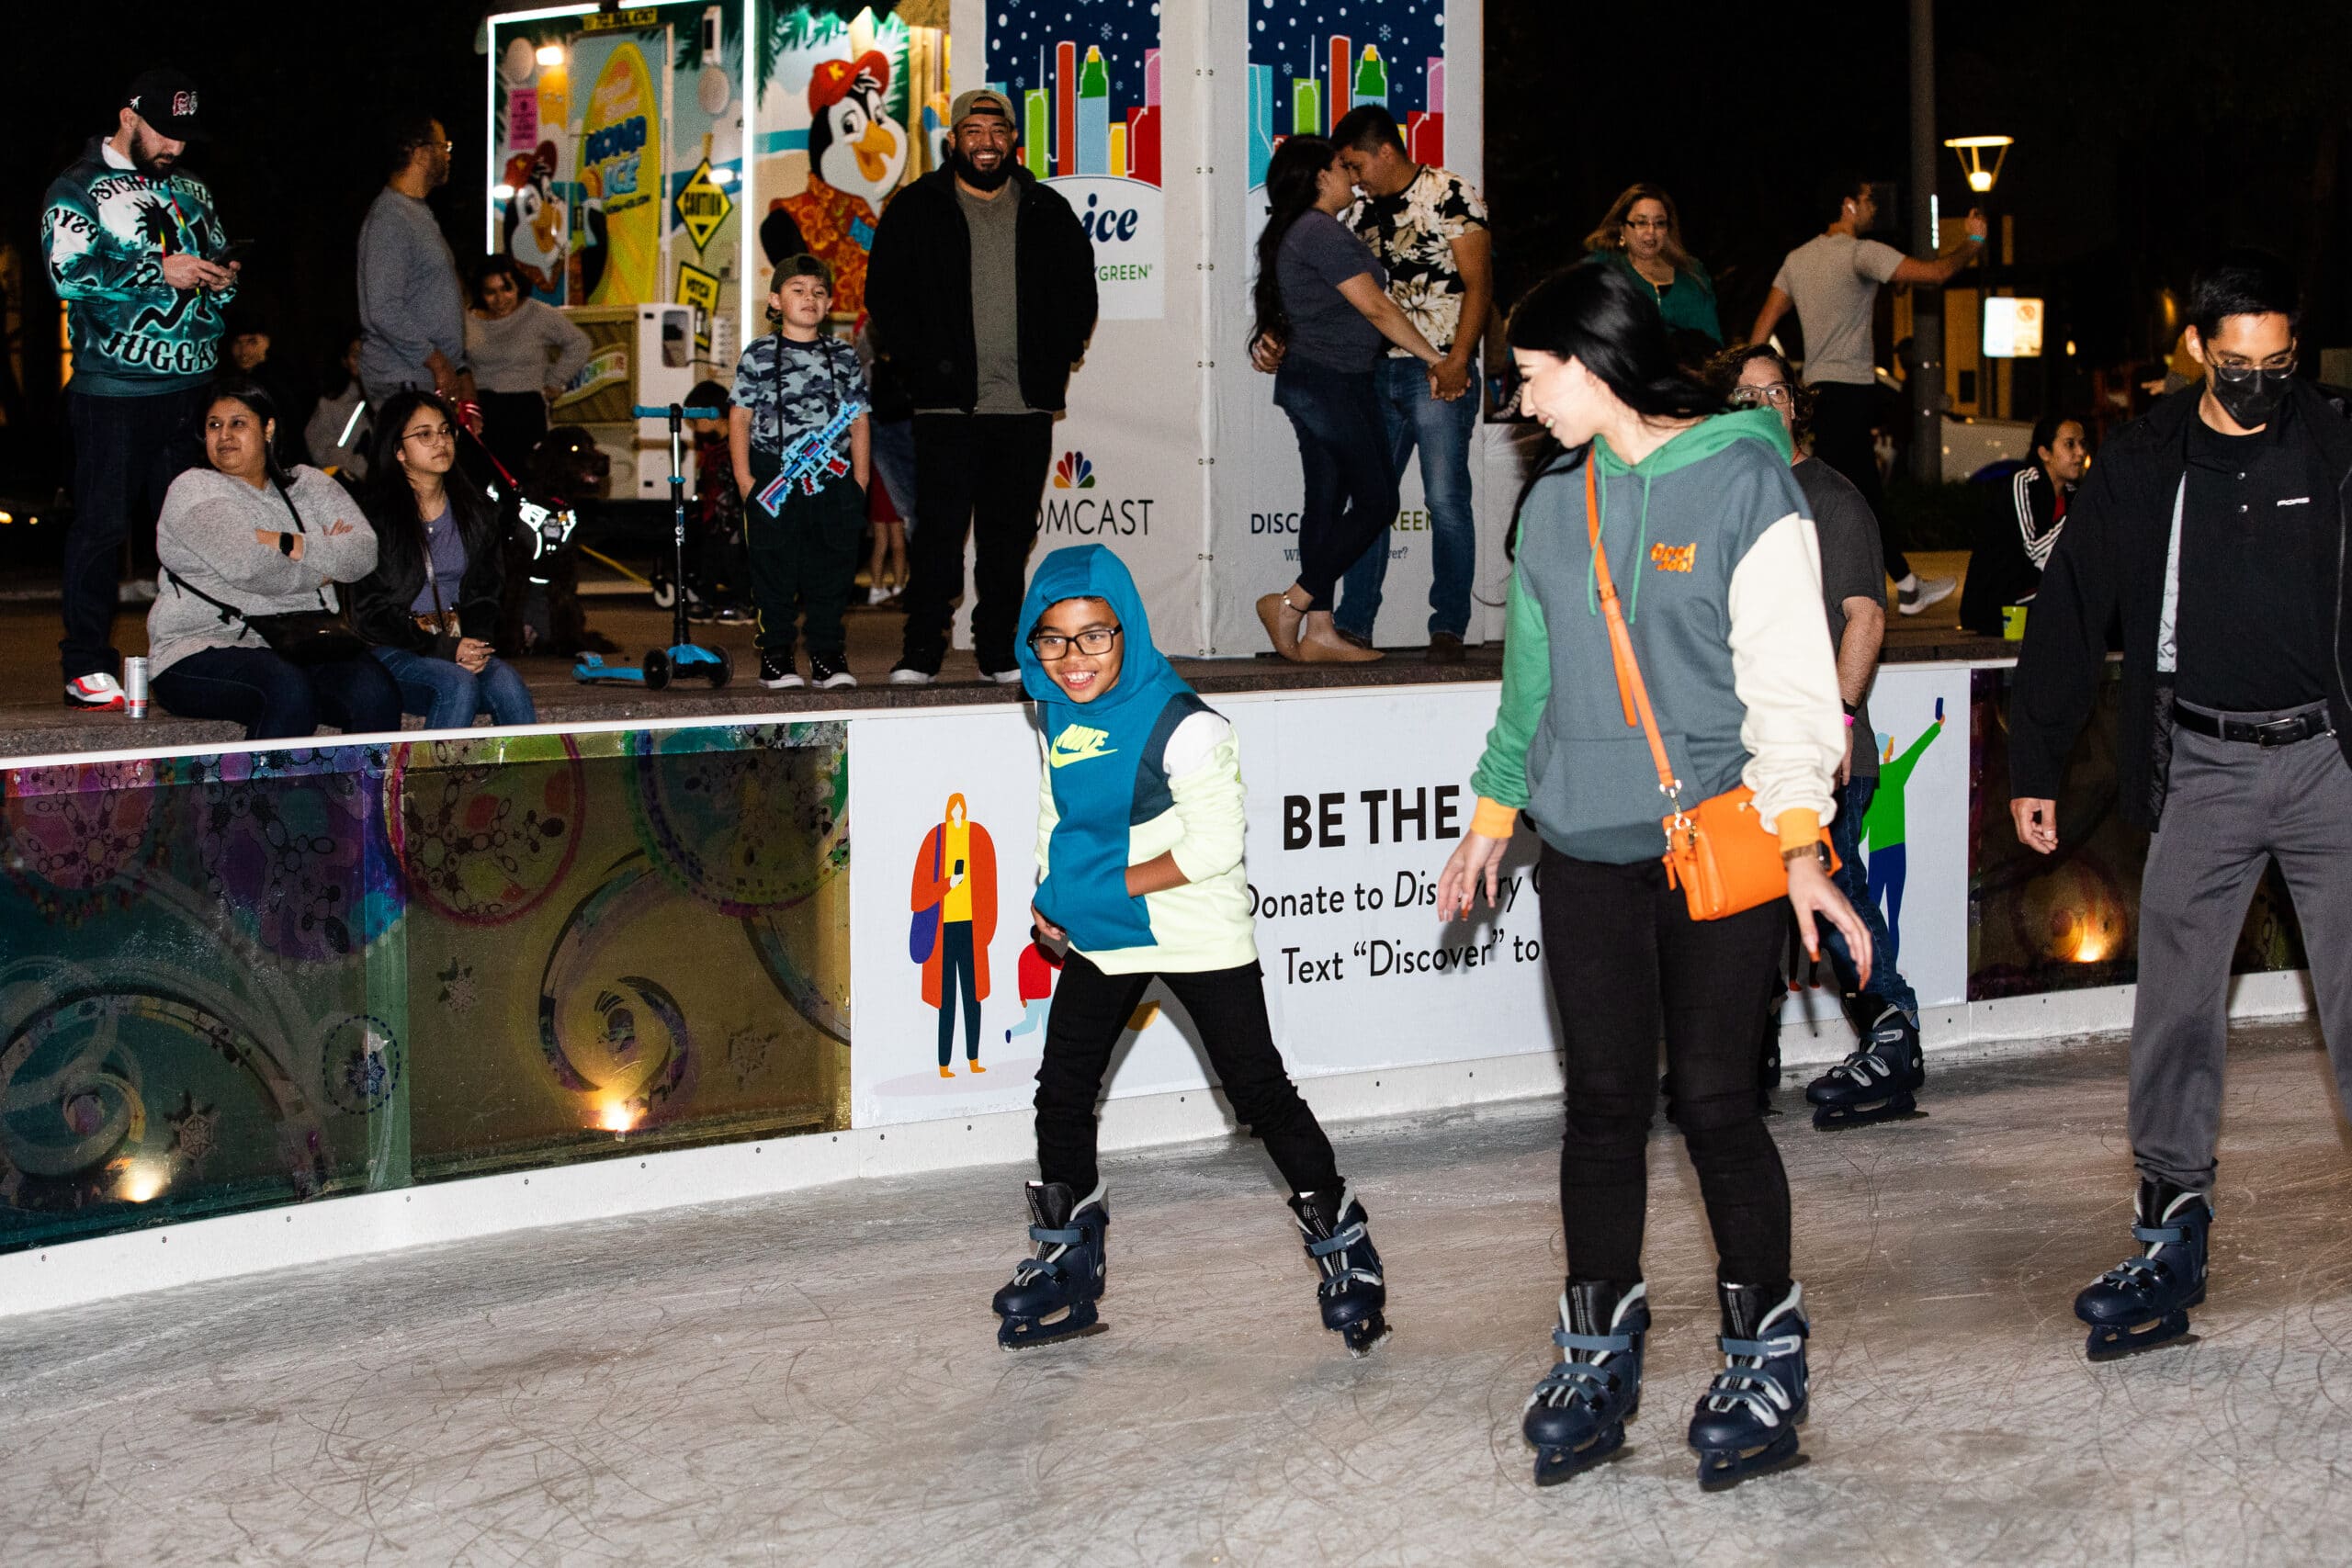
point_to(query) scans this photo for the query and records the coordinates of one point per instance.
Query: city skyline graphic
(1084, 81)
(1312, 61)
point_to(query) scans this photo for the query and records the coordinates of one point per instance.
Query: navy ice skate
(1577, 1416)
(1052, 1293)
(1746, 1422)
(1353, 1293)
(1875, 1083)
(2143, 1301)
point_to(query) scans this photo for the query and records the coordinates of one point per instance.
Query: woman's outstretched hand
(1476, 861)
(1813, 897)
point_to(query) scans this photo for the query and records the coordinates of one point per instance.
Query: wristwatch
(285, 545)
(1818, 850)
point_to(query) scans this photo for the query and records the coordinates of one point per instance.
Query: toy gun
(810, 461)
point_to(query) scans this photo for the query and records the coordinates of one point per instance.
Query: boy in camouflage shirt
(798, 435)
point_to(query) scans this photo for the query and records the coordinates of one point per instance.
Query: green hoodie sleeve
(1502, 775)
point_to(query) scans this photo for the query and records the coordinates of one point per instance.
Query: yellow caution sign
(702, 205)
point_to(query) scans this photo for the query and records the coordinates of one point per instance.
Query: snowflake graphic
(1106, 32)
(1384, 32)
(747, 1053)
(195, 1131)
(458, 992)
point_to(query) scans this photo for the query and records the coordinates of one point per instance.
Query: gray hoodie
(205, 539)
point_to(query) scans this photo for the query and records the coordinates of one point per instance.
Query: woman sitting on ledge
(430, 608)
(240, 541)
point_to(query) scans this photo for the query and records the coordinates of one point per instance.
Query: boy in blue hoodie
(1139, 839)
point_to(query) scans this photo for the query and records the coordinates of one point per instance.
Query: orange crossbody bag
(1719, 851)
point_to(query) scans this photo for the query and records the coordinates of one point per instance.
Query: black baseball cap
(167, 100)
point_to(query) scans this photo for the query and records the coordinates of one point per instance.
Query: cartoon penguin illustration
(856, 152)
(534, 227)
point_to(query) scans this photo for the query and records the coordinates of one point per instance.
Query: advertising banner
(1300, 68)
(620, 169)
(1355, 801)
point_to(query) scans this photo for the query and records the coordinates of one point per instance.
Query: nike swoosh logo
(1061, 756)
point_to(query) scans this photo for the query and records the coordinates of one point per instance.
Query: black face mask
(979, 179)
(2255, 400)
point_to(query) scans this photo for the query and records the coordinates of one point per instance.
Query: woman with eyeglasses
(1642, 237)
(243, 542)
(1140, 851)
(430, 608)
(1711, 558)
(524, 353)
(1325, 296)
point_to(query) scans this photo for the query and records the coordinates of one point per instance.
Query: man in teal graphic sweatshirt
(139, 259)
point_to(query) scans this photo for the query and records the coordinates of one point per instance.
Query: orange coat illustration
(934, 884)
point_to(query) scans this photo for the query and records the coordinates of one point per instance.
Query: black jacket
(379, 601)
(2016, 533)
(918, 292)
(2111, 562)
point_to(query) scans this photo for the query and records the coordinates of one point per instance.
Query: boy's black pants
(803, 561)
(1228, 1008)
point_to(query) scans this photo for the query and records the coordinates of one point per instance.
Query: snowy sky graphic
(1019, 33)
(1292, 36)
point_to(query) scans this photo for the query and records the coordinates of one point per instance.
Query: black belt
(2273, 732)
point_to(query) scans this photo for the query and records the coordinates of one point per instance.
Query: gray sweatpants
(2229, 807)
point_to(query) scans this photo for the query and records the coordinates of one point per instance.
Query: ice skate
(1576, 1416)
(1052, 1294)
(2143, 1301)
(1354, 1293)
(1746, 1422)
(1875, 1083)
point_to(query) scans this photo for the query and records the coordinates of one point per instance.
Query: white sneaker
(1001, 677)
(136, 590)
(908, 675)
(1926, 591)
(876, 595)
(100, 693)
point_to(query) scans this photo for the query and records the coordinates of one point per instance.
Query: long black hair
(1610, 325)
(389, 500)
(1290, 190)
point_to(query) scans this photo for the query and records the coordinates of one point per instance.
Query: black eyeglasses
(2237, 372)
(1053, 648)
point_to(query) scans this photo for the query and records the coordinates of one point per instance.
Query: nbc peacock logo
(1073, 472)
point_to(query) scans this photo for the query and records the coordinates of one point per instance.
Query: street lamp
(1970, 151)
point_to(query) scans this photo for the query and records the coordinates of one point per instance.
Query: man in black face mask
(2214, 529)
(980, 295)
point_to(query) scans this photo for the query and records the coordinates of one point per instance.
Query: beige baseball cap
(980, 100)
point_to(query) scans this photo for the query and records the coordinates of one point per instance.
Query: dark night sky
(2142, 145)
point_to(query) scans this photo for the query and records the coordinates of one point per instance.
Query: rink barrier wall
(201, 1251)
(148, 901)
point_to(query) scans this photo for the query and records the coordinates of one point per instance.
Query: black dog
(540, 612)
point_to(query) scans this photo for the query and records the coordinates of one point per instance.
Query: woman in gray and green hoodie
(1715, 559)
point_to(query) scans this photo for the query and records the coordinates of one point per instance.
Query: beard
(147, 157)
(979, 179)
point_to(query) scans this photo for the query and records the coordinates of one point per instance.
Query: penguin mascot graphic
(535, 233)
(856, 152)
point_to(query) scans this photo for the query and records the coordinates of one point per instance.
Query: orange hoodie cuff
(1493, 819)
(1799, 828)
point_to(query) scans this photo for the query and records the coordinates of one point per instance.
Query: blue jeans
(1350, 496)
(1854, 879)
(893, 446)
(275, 700)
(1442, 432)
(447, 697)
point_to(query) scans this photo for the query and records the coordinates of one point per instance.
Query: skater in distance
(1140, 846)
(1691, 517)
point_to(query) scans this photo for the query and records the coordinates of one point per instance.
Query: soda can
(134, 687)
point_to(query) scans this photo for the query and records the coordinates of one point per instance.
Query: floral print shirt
(1413, 233)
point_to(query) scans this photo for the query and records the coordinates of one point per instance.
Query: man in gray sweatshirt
(411, 305)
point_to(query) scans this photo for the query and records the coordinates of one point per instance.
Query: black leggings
(1622, 950)
(1229, 1006)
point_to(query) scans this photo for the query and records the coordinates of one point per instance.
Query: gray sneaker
(1924, 591)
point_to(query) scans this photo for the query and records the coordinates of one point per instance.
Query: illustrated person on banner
(856, 152)
(954, 901)
(1886, 827)
(1039, 964)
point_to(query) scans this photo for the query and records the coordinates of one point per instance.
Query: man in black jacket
(2215, 529)
(981, 294)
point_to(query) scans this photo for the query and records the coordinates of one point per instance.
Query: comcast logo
(1073, 472)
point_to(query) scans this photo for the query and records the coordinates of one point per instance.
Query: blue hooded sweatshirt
(1143, 769)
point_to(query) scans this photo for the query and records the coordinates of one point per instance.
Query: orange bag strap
(1631, 692)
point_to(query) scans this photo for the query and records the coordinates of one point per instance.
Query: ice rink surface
(814, 1379)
